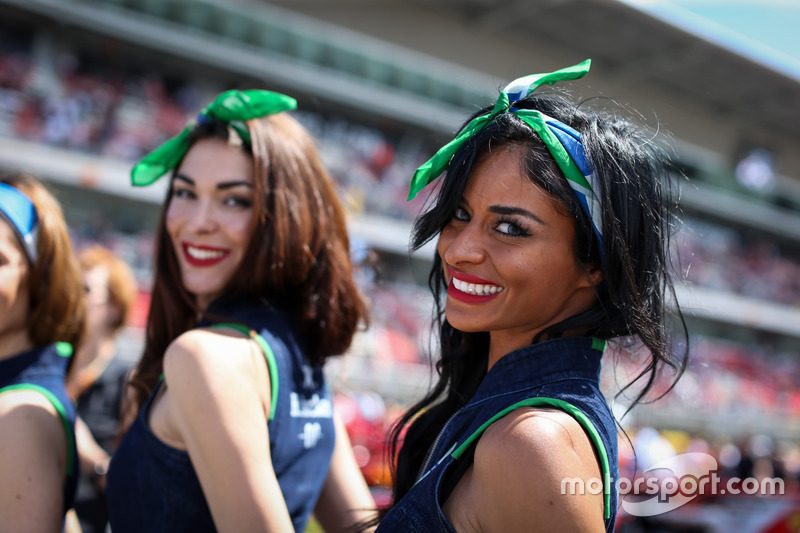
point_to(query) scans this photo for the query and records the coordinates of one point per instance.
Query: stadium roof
(649, 41)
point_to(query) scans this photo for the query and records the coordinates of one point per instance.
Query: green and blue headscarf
(563, 142)
(234, 108)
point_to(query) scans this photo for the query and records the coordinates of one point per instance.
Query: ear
(594, 274)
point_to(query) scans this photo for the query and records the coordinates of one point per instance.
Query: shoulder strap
(62, 414)
(268, 355)
(577, 414)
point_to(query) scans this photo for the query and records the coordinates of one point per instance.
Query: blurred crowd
(101, 109)
(105, 110)
(724, 380)
(722, 258)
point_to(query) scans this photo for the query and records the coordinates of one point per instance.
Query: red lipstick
(469, 278)
(214, 255)
(466, 297)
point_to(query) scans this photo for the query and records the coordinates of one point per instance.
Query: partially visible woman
(42, 310)
(552, 225)
(234, 428)
(98, 376)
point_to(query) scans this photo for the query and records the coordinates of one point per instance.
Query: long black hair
(637, 217)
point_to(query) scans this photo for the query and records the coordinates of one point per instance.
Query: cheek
(240, 229)
(172, 219)
(445, 238)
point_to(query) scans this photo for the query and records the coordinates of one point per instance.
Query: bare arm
(33, 458)
(93, 459)
(345, 498)
(515, 483)
(219, 406)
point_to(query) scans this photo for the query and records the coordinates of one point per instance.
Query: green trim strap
(268, 355)
(573, 411)
(69, 432)
(599, 345)
(64, 349)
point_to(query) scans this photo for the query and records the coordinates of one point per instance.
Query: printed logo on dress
(312, 432)
(313, 407)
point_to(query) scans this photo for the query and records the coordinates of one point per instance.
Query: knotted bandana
(18, 210)
(232, 107)
(562, 141)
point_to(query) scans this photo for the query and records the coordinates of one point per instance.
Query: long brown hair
(297, 260)
(57, 298)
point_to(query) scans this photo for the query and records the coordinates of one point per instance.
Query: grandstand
(87, 86)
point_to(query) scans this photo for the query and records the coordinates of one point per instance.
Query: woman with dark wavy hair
(552, 224)
(234, 427)
(42, 311)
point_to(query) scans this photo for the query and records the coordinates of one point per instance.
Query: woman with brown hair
(41, 318)
(98, 376)
(252, 263)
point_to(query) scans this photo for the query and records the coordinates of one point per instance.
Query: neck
(14, 343)
(504, 342)
(93, 350)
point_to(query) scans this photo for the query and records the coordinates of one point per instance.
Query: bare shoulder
(520, 466)
(33, 459)
(531, 431)
(209, 354)
(209, 372)
(28, 410)
(30, 430)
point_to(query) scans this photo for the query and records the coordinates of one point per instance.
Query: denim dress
(43, 370)
(153, 487)
(560, 373)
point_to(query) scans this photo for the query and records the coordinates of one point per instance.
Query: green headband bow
(233, 107)
(520, 88)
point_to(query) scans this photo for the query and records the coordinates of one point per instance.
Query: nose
(462, 245)
(201, 218)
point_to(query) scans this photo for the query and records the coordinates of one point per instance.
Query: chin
(466, 327)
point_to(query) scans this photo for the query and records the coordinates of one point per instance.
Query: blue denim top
(153, 487)
(561, 373)
(43, 370)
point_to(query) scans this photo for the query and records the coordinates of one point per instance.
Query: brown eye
(461, 215)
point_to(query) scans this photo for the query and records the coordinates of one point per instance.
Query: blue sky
(767, 30)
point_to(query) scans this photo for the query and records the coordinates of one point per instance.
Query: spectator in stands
(98, 377)
(41, 319)
(552, 236)
(234, 427)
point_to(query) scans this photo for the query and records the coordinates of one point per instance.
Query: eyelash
(178, 192)
(239, 201)
(230, 201)
(520, 230)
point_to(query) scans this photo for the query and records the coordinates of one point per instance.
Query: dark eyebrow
(221, 186)
(230, 184)
(509, 210)
(187, 179)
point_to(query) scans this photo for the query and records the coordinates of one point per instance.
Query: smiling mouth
(203, 255)
(475, 288)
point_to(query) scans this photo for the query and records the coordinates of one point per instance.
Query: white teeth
(472, 288)
(197, 253)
